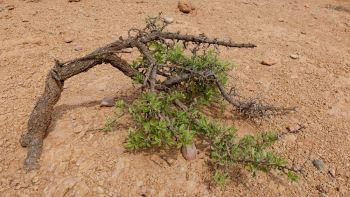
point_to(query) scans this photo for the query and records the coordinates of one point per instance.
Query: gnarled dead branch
(40, 117)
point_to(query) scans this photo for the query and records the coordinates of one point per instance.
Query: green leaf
(292, 176)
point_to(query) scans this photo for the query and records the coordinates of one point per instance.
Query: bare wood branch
(203, 39)
(152, 70)
(40, 117)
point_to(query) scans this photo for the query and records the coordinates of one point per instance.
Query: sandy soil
(79, 161)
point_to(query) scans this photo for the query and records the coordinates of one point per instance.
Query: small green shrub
(220, 178)
(175, 118)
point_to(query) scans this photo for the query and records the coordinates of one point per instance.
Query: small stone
(321, 189)
(78, 48)
(268, 62)
(294, 56)
(171, 161)
(294, 128)
(331, 171)
(185, 6)
(77, 131)
(25, 20)
(73, 0)
(10, 7)
(168, 20)
(318, 164)
(280, 20)
(107, 102)
(189, 152)
(35, 179)
(67, 39)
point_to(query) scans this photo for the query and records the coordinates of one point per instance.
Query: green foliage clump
(220, 178)
(160, 122)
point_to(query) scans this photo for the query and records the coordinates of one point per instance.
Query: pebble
(168, 20)
(318, 164)
(185, 6)
(35, 179)
(294, 56)
(107, 102)
(78, 48)
(67, 39)
(189, 152)
(321, 189)
(10, 7)
(171, 161)
(294, 128)
(280, 20)
(268, 62)
(73, 0)
(331, 171)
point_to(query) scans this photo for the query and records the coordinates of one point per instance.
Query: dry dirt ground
(79, 160)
